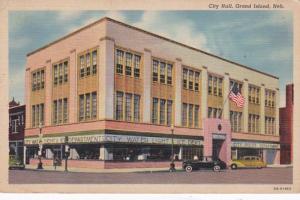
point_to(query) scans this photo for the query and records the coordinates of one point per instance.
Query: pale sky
(262, 40)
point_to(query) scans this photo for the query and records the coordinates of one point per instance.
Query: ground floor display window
(238, 153)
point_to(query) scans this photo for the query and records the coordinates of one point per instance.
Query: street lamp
(67, 153)
(40, 164)
(172, 165)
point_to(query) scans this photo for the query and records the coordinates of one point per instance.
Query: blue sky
(260, 39)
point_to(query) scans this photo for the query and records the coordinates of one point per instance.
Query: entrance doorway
(217, 144)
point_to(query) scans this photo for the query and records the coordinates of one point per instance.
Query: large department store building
(121, 94)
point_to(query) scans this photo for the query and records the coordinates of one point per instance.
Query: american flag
(236, 96)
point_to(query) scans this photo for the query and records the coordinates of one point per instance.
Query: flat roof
(149, 33)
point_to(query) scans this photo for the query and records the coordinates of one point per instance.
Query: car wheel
(217, 168)
(188, 168)
(233, 166)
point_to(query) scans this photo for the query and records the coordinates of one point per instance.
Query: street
(240, 176)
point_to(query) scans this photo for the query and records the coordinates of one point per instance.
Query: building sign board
(219, 136)
(255, 145)
(101, 138)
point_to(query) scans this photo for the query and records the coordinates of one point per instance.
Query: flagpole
(226, 98)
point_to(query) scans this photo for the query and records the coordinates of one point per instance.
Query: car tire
(217, 168)
(233, 166)
(189, 168)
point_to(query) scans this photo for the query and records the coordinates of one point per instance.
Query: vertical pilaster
(262, 109)
(277, 111)
(106, 78)
(24, 154)
(27, 98)
(225, 95)
(178, 85)
(246, 105)
(204, 93)
(103, 155)
(73, 87)
(147, 86)
(48, 92)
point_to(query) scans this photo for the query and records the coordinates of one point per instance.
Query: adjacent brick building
(286, 127)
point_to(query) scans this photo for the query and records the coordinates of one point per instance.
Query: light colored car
(248, 162)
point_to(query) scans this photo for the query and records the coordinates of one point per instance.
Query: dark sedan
(204, 163)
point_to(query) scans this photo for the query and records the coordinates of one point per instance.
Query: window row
(190, 79)
(162, 72)
(214, 112)
(254, 94)
(162, 111)
(129, 61)
(60, 111)
(38, 80)
(215, 85)
(236, 121)
(88, 106)
(270, 98)
(190, 115)
(127, 107)
(88, 63)
(253, 123)
(37, 115)
(60, 73)
(270, 125)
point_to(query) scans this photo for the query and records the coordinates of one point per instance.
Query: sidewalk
(126, 170)
(279, 166)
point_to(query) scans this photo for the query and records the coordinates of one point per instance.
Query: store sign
(114, 139)
(218, 136)
(255, 145)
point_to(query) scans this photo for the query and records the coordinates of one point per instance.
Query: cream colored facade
(107, 35)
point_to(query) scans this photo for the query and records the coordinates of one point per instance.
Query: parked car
(248, 162)
(15, 163)
(206, 162)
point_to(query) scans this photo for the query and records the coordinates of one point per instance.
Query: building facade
(16, 129)
(286, 127)
(122, 94)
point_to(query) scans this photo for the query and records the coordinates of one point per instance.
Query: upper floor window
(190, 79)
(130, 60)
(37, 115)
(88, 106)
(131, 103)
(215, 85)
(253, 123)
(82, 66)
(254, 94)
(236, 121)
(190, 115)
(270, 98)
(214, 113)
(60, 72)
(184, 78)
(60, 111)
(38, 79)
(88, 63)
(162, 72)
(162, 111)
(197, 79)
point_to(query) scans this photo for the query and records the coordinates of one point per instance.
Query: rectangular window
(215, 81)
(88, 64)
(209, 112)
(55, 112)
(59, 110)
(191, 107)
(184, 114)
(33, 116)
(82, 66)
(155, 111)
(94, 60)
(38, 80)
(119, 106)
(128, 101)
(191, 79)
(155, 71)
(137, 62)
(33, 81)
(128, 62)
(94, 105)
(66, 71)
(55, 75)
(257, 95)
(169, 74)
(196, 116)
(257, 124)
(42, 79)
(162, 72)
(197, 78)
(87, 106)
(37, 115)
(162, 117)
(41, 114)
(136, 110)
(65, 108)
(120, 55)
(81, 107)
(184, 78)
(60, 73)
(210, 84)
(220, 87)
(169, 112)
